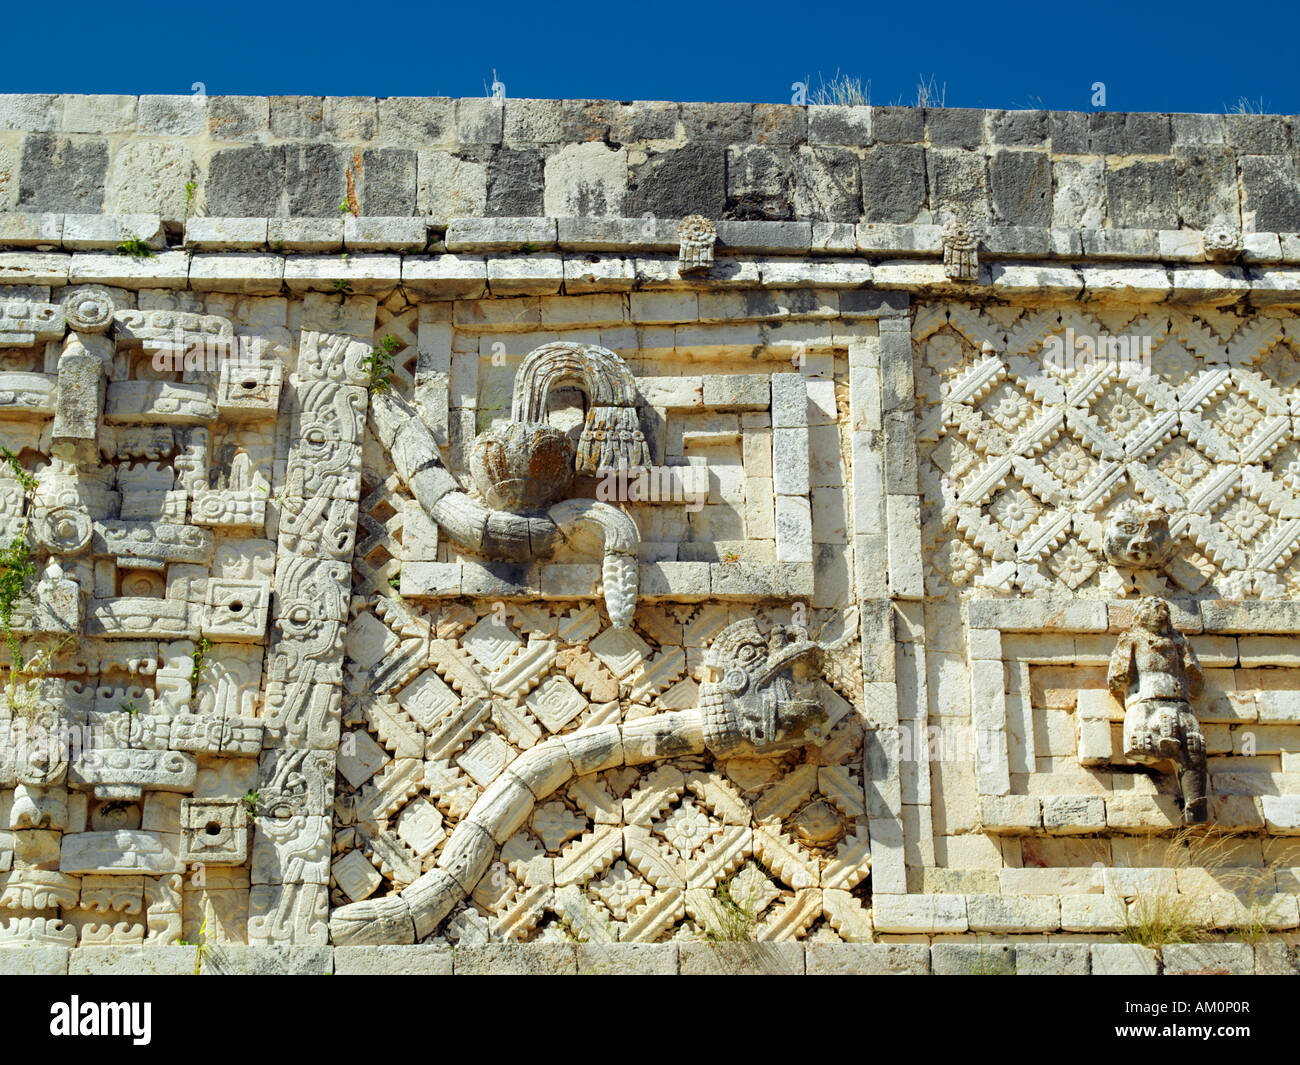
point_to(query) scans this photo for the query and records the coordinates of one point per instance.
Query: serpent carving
(756, 702)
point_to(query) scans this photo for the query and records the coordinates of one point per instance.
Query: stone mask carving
(1137, 537)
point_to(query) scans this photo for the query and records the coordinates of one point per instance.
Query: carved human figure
(1155, 674)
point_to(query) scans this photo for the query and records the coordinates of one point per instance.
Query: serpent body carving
(756, 704)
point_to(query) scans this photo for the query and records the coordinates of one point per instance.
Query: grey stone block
(728, 123)
(30, 230)
(1019, 129)
(1147, 134)
(765, 236)
(33, 112)
(673, 184)
(1123, 959)
(133, 961)
(827, 184)
(245, 182)
(829, 124)
(618, 234)
(742, 959)
(33, 961)
(762, 177)
(500, 234)
(893, 183)
(416, 121)
(534, 122)
(151, 176)
(389, 180)
(173, 116)
(1275, 957)
(1184, 959)
(418, 960)
(350, 118)
(780, 124)
(98, 114)
(1020, 184)
(1106, 132)
(872, 303)
(1196, 130)
(643, 120)
(1259, 134)
(58, 174)
(1142, 195)
(517, 959)
(1068, 131)
(1053, 959)
(627, 959)
(299, 117)
(1206, 182)
(1018, 242)
(958, 182)
(972, 959)
(369, 233)
(237, 960)
(480, 121)
(314, 178)
(235, 118)
(231, 234)
(450, 186)
(1269, 192)
(954, 127)
(514, 182)
(92, 232)
(317, 235)
(867, 959)
(898, 125)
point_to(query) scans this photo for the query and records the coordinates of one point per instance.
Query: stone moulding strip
(52, 231)
(444, 277)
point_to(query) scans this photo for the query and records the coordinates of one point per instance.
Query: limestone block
(741, 959)
(124, 851)
(1183, 959)
(867, 959)
(421, 959)
(1123, 959)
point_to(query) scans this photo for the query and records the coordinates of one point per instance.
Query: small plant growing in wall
(734, 914)
(252, 802)
(190, 188)
(379, 363)
(16, 570)
(199, 657)
(136, 248)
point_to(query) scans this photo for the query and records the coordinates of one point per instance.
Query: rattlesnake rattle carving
(756, 707)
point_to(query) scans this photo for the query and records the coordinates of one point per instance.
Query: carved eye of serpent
(735, 681)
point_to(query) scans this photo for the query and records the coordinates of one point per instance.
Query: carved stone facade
(662, 583)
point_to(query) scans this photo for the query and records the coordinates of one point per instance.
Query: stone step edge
(951, 956)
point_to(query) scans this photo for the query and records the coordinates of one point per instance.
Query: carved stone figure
(697, 235)
(1138, 537)
(1222, 242)
(756, 703)
(1155, 674)
(960, 252)
(520, 468)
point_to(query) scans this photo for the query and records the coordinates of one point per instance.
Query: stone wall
(440, 159)
(345, 636)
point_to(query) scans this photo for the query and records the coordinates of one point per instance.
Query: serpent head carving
(760, 702)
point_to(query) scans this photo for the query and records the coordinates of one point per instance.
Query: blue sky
(1193, 55)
